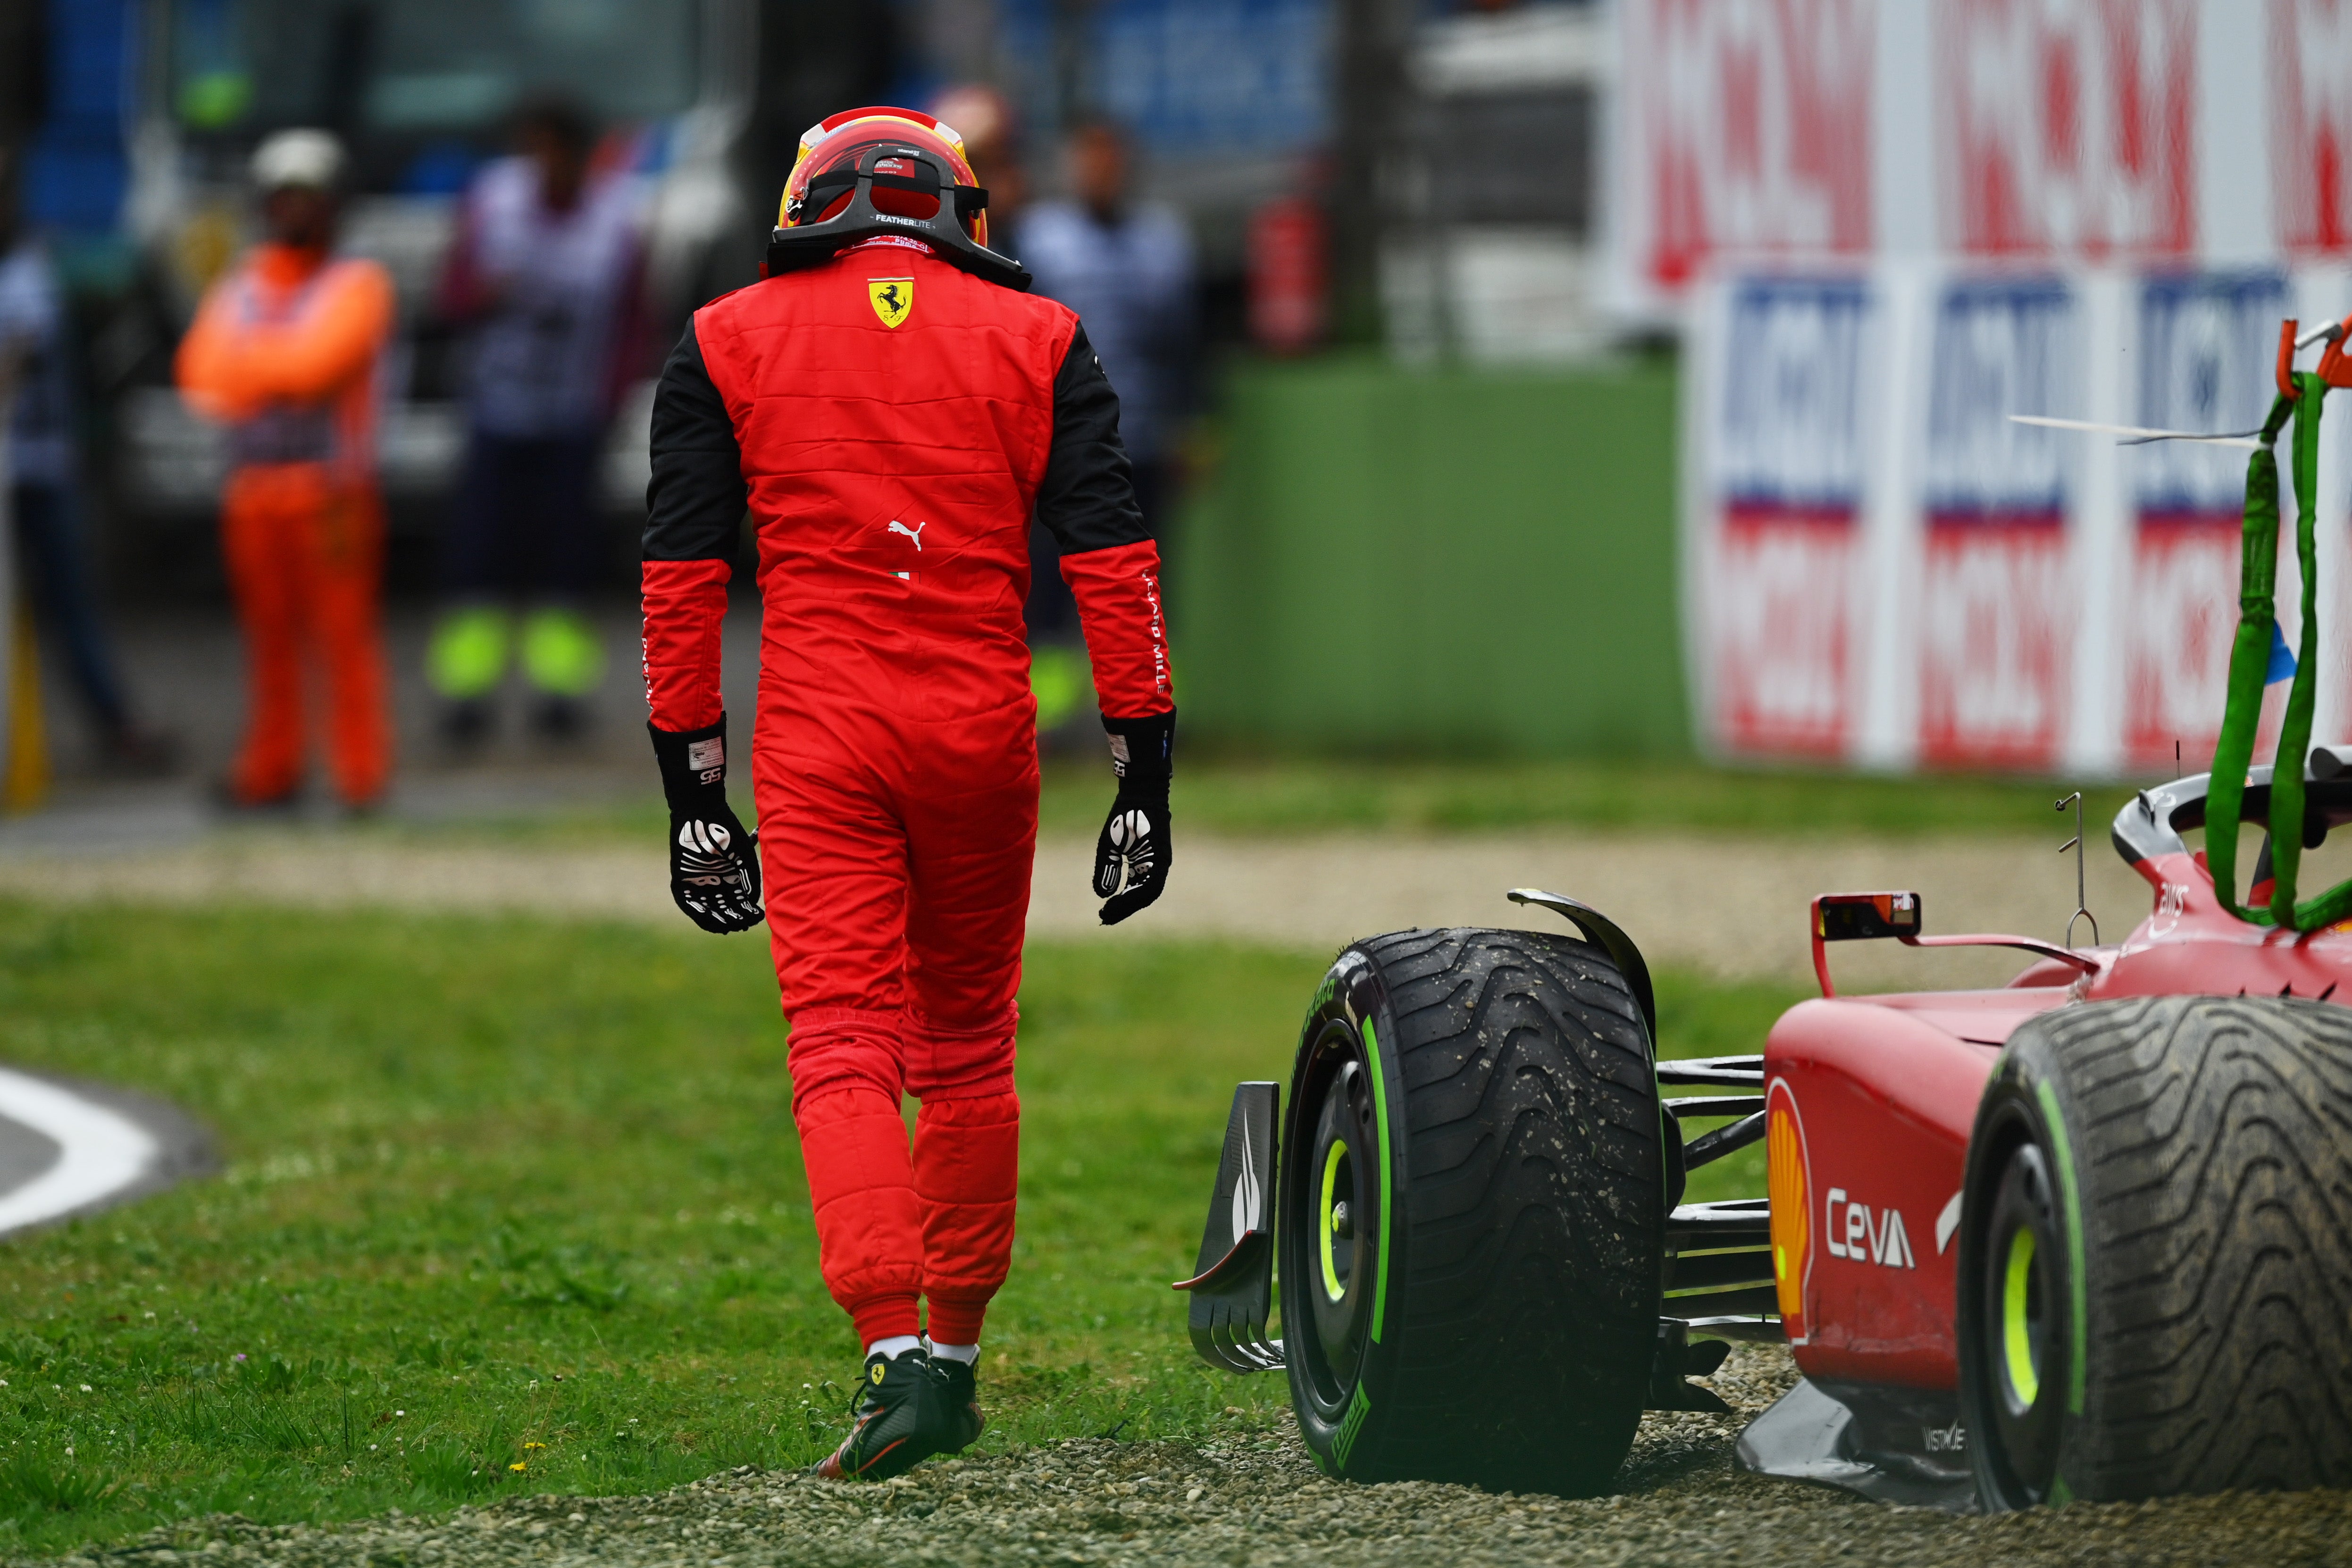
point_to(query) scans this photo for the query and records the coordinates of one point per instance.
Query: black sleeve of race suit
(695, 500)
(1086, 500)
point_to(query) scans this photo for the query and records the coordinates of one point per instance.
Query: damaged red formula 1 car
(2088, 1236)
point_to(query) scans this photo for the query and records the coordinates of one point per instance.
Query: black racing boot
(888, 1436)
(951, 1420)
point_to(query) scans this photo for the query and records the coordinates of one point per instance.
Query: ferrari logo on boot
(892, 297)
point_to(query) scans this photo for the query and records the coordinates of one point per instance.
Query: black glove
(714, 864)
(1134, 836)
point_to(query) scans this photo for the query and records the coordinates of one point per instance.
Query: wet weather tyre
(2155, 1284)
(1472, 1213)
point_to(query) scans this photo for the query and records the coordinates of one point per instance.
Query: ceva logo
(1861, 1234)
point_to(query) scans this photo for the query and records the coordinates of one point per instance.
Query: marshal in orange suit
(284, 352)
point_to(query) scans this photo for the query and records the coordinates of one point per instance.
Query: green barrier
(1421, 563)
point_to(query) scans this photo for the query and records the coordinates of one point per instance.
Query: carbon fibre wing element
(1233, 1285)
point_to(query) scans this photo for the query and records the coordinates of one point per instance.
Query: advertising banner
(1745, 128)
(1885, 228)
(1998, 589)
(1783, 534)
(1884, 568)
(2206, 350)
(2310, 100)
(1190, 79)
(2067, 128)
(2096, 133)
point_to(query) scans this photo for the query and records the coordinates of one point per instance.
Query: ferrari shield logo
(892, 297)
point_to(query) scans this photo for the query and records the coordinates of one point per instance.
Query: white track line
(104, 1150)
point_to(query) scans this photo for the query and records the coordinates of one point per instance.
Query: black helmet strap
(804, 245)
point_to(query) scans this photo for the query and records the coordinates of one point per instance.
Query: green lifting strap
(2249, 664)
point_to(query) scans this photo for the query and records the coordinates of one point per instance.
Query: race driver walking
(891, 405)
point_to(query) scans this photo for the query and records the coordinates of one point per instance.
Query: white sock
(967, 1353)
(897, 1345)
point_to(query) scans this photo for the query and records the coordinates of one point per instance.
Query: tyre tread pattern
(1535, 1197)
(2212, 1137)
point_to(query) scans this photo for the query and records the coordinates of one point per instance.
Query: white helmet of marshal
(309, 159)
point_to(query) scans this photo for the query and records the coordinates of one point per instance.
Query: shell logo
(1786, 1180)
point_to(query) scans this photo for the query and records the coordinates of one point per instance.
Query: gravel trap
(1255, 1498)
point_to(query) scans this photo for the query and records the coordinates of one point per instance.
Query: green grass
(1228, 795)
(514, 1206)
(1233, 796)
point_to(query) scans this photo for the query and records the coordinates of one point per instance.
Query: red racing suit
(891, 422)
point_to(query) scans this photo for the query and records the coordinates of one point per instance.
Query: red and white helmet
(875, 173)
(825, 177)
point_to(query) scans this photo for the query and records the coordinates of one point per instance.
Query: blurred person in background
(284, 351)
(991, 143)
(547, 277)
(1125, 267)
(45, 482)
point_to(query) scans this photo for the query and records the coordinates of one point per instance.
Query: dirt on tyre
(2156, 1253)
(1473, 1213)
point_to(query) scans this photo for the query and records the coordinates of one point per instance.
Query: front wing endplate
(1233, 1286)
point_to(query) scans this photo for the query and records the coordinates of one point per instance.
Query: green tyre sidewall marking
(1352, 1428)
(2070, 1215)
(1387, 1161)
(1346, 1439)
(2021, 1100)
